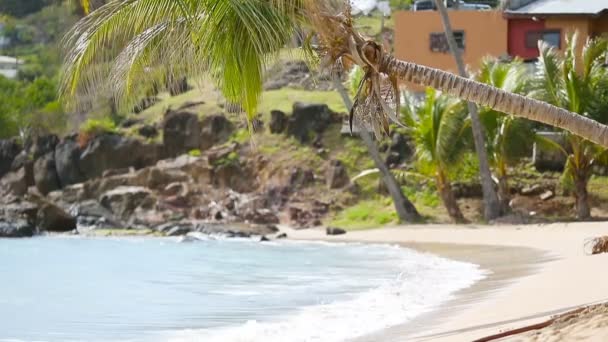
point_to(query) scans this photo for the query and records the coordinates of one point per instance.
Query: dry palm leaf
(596, 245)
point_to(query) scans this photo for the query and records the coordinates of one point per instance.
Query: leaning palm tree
(492, 208)
(508, 138)
(579, 85)
(114, 49)
(439, 130)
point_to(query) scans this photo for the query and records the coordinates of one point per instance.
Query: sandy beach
(535, 272)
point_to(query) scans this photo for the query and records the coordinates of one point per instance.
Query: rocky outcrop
(45, 174)
(17, 182)
(124, 200)
(90, 214)
(52, 218)
(44, 145)
(215, 129)
(308, 120)
(181, 133)
(67, 162)
(18, 228)
(278, 122)
(148, 131)
(334, 231)
(9, 149)
(337, 176)
(112, 151)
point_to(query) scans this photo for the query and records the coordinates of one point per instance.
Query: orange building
(419, 37)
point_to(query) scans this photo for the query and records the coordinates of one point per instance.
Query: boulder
(337, 176)
(278, 122)
(123, 200)
(9, 149)
(181, 133)
(91, 214)
(547, 195)
(300, 178)
(398, 151)
(44, 145)
(67, 162)
(334, 231)
(112, 151)
(45, 174)
(175, 228)
(54, 219)
(308, 119)
(15, 228)
(215, 129)
(261, 216)
(148, 131)
(281, 236)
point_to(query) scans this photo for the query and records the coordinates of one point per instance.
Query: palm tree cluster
(440, 127)
(123, 46)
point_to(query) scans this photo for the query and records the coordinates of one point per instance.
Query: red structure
(517, 42)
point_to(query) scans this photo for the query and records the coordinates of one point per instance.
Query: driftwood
(596, 245)
(532, 327)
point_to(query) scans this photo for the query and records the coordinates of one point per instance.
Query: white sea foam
(425, 282)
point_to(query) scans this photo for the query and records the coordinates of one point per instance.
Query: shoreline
(536, 271)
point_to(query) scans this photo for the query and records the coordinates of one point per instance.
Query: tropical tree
(508, 138)
(115, 47)
(492, 208)
(438, 128)
(579, 85)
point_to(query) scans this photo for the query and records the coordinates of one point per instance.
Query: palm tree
(116, 46)
(439, 130)
(406, 211)
(492, 208)
(580, 88)
(508, 138)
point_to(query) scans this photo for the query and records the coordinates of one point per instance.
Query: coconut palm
(492, 208)
(439, 130)
(116, 46)
(579, 85)
(508, 138)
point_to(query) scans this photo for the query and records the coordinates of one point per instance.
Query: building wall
(600, 26)
(569, 25)
(518, 28)
(485, 34)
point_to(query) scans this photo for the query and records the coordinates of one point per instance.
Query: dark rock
(145, 103)
(21, 160)
(308, 119)
(67, 162)
(91, 214)
(128, 123)
(467, 190)
(177, 231)
(261, 216)
(175, 228)
(337, 177)
(15, 228)
(45, 174)
(278, 122)
(9, 149)
(181, 133)
(54, 219)
(19, 210)
(148, 131)
(215, 129)
(264, 238)
(398, 151)
(299, 178)
(112, 151)
(334, 231)
(44, 145)
(281, 236)
(123, 200)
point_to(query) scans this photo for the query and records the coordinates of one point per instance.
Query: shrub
(92, 128)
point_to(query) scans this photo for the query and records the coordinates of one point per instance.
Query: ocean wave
(426, 281)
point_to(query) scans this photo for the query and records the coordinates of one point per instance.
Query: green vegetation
(93, 127)
(366, 214)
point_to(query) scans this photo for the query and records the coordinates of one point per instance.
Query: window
(439, 42)
(551, 37)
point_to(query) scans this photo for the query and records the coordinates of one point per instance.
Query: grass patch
(366, 214)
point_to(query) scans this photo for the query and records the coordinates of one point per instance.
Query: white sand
(538, 271)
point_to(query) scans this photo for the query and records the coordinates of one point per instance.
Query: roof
(561, 7)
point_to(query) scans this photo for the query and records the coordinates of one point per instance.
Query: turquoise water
(144, 289)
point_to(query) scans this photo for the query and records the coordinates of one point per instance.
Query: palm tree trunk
(448, 198)
(497, 99)
(583, 211)
(503, 191)
(492, 206)
(406, 211)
